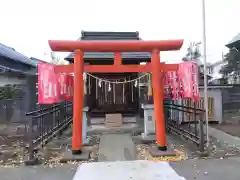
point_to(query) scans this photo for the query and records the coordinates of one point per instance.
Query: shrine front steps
(113, 120)
(132, 128)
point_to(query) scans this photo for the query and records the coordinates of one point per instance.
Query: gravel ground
(52, 156)
(12, 154)
(216, 149)
(12, 144)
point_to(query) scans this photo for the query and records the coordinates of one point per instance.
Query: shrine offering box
(113, 120)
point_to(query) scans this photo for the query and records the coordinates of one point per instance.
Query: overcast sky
(26, 25)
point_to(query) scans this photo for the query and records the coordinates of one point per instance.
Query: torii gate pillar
(77, 102)
(158, 93)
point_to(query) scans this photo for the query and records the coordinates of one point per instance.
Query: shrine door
(116, 97)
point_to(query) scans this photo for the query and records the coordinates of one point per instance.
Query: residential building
(14, 66)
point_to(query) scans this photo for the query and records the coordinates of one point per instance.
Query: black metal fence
(47, 122)
(183, 117)
(231, 104)
(187, 122)
(44, 121)
(24, 124)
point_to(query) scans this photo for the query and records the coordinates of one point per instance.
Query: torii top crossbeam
(115, 46)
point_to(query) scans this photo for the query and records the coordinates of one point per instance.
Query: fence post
(166, 112)
(30, 135)
(195, 117)
(201, 130)
(85, 126)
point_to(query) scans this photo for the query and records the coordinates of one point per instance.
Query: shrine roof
(92, 35)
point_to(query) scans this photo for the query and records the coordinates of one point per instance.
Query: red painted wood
(117, 58)
(78, 101)
(115, 46)
(115, 68)
(158, 89)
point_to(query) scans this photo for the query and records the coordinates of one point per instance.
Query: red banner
(166, 86)
(175, 85)
(188, 75)
(195, 82)
(172, 84)
(48, 87)
(185, 76)
(69, 88)
(62, 79)
(184, 83)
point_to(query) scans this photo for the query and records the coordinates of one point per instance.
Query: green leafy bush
(10, 92)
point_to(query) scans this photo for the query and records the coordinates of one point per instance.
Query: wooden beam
(115, 68)
(115, 45)
(64, 68)
(117, 58)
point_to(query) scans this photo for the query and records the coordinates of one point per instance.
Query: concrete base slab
(86, 142)
(68, 156)
(125, 128)
(155, 152)
(126, 170)
(31, 162)
(203, 154)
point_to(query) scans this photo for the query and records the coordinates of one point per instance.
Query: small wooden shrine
(103, 97)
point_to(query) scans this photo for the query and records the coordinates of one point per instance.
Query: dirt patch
(54, 151)
(13, 151)
(13, 141)
(216, 150)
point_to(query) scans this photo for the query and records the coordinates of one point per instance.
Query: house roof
(92, 35)
(221, 62)
(201, 75)
(36, 60)
(235, 42)
(11, 53)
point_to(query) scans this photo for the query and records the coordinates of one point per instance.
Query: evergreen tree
(233, 63)
(193, 53)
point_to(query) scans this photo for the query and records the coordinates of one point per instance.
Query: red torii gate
(157, 69)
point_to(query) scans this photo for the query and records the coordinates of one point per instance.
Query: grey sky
(27, 24)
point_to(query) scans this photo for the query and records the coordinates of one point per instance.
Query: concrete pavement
(125, 170)
(225, 138)
(209, 169)
(65, 172)
(116, 147)
(195, 169)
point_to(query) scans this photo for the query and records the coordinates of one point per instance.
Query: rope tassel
(149, 86)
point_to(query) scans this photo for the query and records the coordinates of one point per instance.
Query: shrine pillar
(158, 96)
(77, 102)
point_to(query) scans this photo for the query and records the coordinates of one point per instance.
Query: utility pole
(205, 69)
